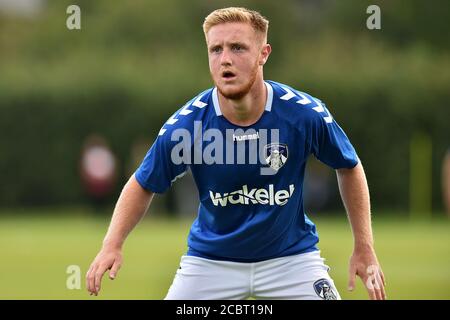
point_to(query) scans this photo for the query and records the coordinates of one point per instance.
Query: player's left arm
(363, 262)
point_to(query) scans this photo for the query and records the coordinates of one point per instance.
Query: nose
(225, 58)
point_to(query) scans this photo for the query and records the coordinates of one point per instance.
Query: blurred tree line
(134, 63)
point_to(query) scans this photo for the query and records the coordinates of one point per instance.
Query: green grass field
(37, 249)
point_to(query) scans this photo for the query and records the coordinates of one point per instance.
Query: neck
(247, 110)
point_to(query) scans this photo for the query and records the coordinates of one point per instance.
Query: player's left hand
(364, 263)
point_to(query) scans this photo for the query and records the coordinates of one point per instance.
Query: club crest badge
(324, 289)
(276, 155)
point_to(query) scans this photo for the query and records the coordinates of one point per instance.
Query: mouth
(228, 75)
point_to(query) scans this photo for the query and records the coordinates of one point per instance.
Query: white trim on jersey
(216, 102)
(268, 106)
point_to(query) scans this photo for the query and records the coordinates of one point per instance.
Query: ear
(265, 52)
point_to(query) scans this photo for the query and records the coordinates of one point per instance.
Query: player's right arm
(156, 174)
(130, 209)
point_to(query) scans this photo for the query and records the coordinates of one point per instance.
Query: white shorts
(301, 276)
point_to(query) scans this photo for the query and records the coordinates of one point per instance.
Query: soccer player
(246, 142)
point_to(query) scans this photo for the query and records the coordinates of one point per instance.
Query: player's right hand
(106, 259)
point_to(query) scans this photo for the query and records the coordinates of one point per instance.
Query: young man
(251, 237)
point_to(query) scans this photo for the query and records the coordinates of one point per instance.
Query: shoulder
(196, 109)
(297, 106)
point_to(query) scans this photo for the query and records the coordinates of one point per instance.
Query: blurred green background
(134, 63)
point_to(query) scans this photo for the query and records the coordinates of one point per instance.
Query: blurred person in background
(317, 191)
(446, 181)
(252, 237)
(98, 170)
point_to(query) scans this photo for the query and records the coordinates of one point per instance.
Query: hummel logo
(245, 137)
(254, 196)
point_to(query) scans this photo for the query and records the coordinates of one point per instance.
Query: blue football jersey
(249, 179)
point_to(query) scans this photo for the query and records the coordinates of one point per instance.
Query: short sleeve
(157, 171)
(330, 143)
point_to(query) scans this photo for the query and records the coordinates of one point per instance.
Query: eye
(237, 47)
(216, 49)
